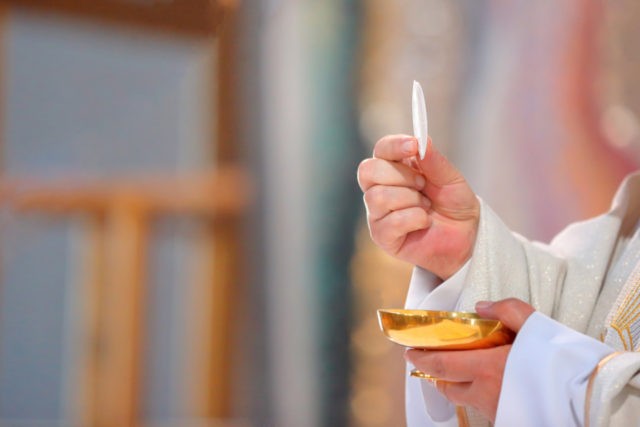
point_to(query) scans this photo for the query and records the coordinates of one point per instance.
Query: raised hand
(420, 211)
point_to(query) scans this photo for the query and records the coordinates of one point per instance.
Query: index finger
(396, 147)
(456, 366)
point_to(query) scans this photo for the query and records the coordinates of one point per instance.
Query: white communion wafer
(420, 123)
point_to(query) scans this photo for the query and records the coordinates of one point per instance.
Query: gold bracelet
(592, 380)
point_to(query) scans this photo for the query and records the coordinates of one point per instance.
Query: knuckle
(414, 216)
(397, 220)
(384, 236)
(421, 217)
(374, 232)
(379, 235)
(515, 310)
(375, 196)
(368, 197)
(438, 368)
(365, 170)
(364, 164)
(381, 145)
(510, 307)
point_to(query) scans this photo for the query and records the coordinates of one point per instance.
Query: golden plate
(442, 330)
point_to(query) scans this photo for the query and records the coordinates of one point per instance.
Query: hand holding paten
(474, 377)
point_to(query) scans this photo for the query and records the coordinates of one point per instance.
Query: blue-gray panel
(34, 266)
(165, 320)
(87, 101)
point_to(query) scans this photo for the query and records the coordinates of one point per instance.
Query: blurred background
(182, 238)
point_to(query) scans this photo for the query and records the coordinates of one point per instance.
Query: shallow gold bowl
(442, 330)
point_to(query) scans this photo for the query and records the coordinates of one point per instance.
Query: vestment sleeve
(561, 280)
(546, 380)
(549, 277)
(546, 375)
(425, 407)
(614, 398)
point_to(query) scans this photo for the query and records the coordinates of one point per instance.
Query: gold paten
(442, 330)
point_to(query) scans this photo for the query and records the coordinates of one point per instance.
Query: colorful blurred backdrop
(182, 238)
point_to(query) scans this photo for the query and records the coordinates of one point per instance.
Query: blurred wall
(530, 135)
(310, 148)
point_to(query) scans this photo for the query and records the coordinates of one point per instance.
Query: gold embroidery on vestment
(592, 378)
(627, 314)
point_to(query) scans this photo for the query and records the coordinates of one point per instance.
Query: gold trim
(463, 419)
(621, 335)
(592, 378)
(628, 311)
(461, 412)
(422, 375)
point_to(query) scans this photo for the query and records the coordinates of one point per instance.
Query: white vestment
(588, 280)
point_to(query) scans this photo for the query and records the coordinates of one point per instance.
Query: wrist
(461, 258)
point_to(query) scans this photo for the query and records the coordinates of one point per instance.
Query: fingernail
(483, 305)
(408, 146)
(420, 182)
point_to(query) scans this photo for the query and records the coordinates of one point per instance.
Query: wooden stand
(117, 218)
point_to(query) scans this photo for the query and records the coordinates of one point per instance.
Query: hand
(420, 211)
(474, 377)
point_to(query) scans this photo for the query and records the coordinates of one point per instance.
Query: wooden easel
(116, 217)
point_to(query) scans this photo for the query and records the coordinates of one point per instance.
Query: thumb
(437, 168)
(511, 312)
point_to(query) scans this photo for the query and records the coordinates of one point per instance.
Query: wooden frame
(116, 215)
(187, 16)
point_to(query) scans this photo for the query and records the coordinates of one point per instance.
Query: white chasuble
(576, 360)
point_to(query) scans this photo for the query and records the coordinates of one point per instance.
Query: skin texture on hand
(474, 377)
(420, 211)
